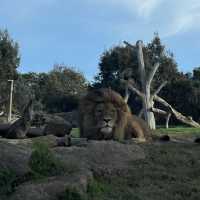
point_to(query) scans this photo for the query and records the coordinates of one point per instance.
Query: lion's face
(105, 115)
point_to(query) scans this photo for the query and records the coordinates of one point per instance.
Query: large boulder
(14, 158)
(35, 132)
(102, 157)
(71, 117)
(57, 126)
(52, 188)
(49, 140)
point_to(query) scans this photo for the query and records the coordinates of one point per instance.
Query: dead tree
(148, 98)
(145, 93)
(184, 119)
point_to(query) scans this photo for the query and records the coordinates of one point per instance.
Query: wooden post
(11, 98)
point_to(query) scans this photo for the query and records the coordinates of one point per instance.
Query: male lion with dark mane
(104, 115)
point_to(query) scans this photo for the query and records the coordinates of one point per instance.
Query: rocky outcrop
(102, 157)
(53, 187)
(81, 163)
(14, 158)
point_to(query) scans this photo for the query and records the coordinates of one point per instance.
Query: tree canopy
(9, 57)
(122, 58)
(55, 91)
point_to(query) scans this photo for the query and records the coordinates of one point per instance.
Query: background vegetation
(60, 89)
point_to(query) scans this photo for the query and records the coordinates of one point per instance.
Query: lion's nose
(107, 119)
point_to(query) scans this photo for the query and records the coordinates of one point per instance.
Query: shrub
(43, 162)
(71, 194)
(8, 180)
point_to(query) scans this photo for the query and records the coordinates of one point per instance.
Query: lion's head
(102, 114)
(105, 116)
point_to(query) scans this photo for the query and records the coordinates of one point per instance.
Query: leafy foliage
(43, 162)
(7, 181)
(123, 58)
(71, 194)
(56, 91)
(64, 86)
(184, 94)
(9, 61)
(9, 56)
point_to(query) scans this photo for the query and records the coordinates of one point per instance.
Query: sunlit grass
(179, 131)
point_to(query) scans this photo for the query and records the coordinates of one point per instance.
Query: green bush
(8, 180)
(71, 194)
(43, 162)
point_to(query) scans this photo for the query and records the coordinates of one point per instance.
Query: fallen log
(184, 119)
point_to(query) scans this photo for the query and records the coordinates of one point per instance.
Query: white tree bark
(148, 98)
(166, 114)
(167, 120)
(184, 119)
(1, 113)
(171, 110)
(146, 85)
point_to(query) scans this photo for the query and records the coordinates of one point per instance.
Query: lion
(104, 115)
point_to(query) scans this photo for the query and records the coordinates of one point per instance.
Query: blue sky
(76, 32)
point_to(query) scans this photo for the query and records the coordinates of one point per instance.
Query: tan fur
(102, 105)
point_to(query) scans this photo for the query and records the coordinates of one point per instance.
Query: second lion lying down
(104, 115)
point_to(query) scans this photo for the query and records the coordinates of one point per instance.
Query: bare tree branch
(128, 44)
(187, 120)
(127, 94)
(140, 94)
(158, 90)
(167, 120)
(159, 111)
(141, 64)
(1, 113)
(152, 73)
(131, 87)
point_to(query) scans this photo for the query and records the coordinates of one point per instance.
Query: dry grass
(170, 172)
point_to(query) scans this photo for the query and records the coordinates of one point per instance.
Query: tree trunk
(167, 120)
(147, 103)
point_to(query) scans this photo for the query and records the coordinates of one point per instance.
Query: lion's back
(137, 128)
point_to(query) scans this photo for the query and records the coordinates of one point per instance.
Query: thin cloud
(168, 17)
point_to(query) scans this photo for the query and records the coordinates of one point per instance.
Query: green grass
(75, 132)
(179, 131)
(43, 162)
(176, 131)
(71, 194)
(170, 172)
(8, 181)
